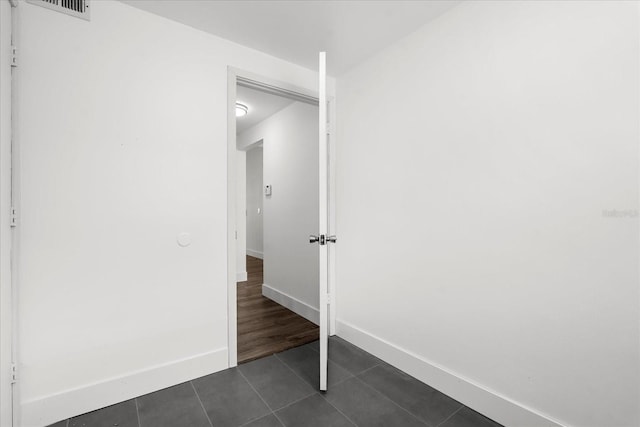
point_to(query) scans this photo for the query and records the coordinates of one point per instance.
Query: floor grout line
(259, 395)
(390, 400)
(279, 420)
(368, 369)
(292, 370)
(201, 404)
(339, 411)
(380, 361)
(291, 403)
(295, 373)
(450, 416)
(299, 377)
(342, 380)
(253, 419)
(318, 392)
(334, 384)
(297, 400)
(258, 418)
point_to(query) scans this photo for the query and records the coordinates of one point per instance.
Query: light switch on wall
(267, 190)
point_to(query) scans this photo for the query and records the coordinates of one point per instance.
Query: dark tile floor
(281, 390)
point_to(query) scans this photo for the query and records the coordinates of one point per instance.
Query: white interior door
(323, 221)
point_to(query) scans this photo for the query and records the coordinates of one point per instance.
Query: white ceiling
(261, 106)
(349, 31)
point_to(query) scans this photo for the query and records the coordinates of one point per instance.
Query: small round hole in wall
(184, 239)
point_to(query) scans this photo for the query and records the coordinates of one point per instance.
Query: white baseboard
(241, 276)
(47, 410)
(487, 402)
(255, 254)
(293, 304)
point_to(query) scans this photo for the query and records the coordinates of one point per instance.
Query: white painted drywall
(290, 166)
(475, 160)
(241, 223)
(254, 202)
(123, 130)
(5, 203)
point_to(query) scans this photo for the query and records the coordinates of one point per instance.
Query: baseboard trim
(303, 309)
(241, 276)
(46, 410)
(255, 254)
(488, 402)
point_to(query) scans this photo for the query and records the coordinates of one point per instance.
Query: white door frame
(9, 197)
(232, 316)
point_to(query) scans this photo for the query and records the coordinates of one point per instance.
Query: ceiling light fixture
(241, 110)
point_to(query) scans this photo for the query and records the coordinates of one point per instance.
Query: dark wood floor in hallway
(266, 327)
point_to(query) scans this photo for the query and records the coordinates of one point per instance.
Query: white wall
(123, 132)
(241, 222)
(254, 202)
(290, 162)
(475, 159)
(5, 203)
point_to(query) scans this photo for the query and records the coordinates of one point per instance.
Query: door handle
(322, 239)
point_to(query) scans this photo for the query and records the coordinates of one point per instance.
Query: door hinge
(325, 299)
(13, 220)
(14, 373)
(14, 56)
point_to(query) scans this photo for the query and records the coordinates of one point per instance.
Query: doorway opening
(276, 209)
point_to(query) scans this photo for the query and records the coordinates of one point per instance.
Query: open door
(322, 238)
(323, 219)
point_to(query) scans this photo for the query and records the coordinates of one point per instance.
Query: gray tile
(268, 421)
(314, 345)
(62, 423)
(467, 417)
(350, 357)
(425, 402)
(229, 399)
(176, 406)
(306, 363)
(275, 382)
(366, 407)
(122, 414)
(314, 411)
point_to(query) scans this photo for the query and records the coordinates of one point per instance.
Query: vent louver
(77, 8)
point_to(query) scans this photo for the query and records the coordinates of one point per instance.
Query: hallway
(265, 327)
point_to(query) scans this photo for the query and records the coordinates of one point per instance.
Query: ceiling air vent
(77, 8)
